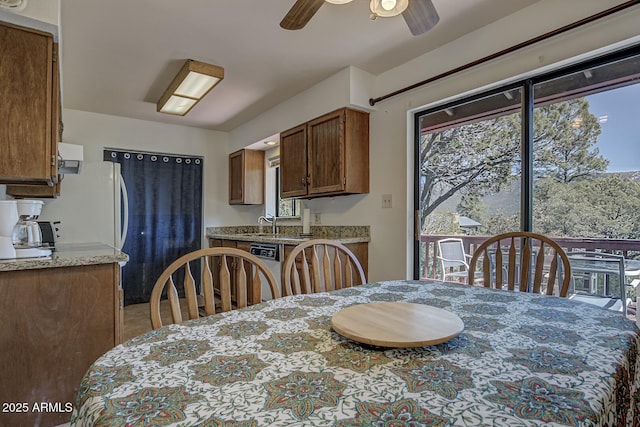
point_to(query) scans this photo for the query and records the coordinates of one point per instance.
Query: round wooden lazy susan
(397, 324)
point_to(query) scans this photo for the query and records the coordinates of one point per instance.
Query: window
(285, 207)
(556, 154)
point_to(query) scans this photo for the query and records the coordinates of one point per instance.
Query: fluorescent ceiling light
(194, 80)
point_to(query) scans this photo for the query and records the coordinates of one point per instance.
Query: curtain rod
(587, 20)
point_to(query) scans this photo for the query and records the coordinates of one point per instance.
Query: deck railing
(431, 267)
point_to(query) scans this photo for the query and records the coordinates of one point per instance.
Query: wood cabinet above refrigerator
(30, 110)
(327, 156)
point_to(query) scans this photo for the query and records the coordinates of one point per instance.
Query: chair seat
(610, 303)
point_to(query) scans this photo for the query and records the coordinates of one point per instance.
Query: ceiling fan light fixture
(388, 8)
(338, 1)
(194, 80)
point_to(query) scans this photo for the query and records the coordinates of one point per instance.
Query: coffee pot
(26, 233)
(20, 235)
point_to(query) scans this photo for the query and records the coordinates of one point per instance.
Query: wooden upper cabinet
(293, 162)
(30, 109)
(326, 156)
(246, 177)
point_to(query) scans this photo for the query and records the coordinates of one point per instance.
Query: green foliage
(601, 207)
(571, 195)
(475, 158)
(565, 135)
(441, 223)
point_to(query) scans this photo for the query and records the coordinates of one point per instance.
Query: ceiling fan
(420, 15)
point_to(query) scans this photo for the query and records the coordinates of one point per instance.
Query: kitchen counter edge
(69, 255)
(290, 235)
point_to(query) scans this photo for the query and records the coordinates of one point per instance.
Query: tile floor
(136, 320)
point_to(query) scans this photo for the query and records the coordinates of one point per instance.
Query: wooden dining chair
(530, 259)
(231, 278)
(321, 265)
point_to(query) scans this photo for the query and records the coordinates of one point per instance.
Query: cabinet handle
(304, 180)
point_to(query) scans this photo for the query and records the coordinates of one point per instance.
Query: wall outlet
(386, 200)
(317, 218)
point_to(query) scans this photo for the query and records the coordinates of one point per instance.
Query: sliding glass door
(558, 154)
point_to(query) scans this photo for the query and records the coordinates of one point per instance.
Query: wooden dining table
(520, 360)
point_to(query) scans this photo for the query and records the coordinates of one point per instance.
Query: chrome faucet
(269, 219)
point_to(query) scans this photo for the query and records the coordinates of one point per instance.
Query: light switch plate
(317, 218)
(386, 201)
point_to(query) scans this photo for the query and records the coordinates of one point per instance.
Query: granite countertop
(291, 235)
(69, 255)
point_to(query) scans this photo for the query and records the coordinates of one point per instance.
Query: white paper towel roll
(306, 221)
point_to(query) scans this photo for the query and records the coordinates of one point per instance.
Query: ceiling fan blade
(300, 13)
(420, 16)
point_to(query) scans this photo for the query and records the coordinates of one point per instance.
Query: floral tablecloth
(522, 360)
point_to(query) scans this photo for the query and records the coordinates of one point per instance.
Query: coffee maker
(20, 235)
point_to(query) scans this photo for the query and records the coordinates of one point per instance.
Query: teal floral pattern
(243, 329)
(548, 334)
(285, 315)
(481, 324)
(404, 412)
(99, 381)
(221, 370)
(215, 422)
(317, 302)
(522, 360)
(153, 336)
(434, 302)
(321, 322)
(176, 351)
(357, 358)
(467, 345)
(438, 376)
(289, 343)
(148, 407)
(303, 393)
(486, 309)
(548, 360)
(535, 399)
(552, 315)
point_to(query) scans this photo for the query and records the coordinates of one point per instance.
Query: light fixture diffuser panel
(194, 80)
(196, 85)
(178, 105)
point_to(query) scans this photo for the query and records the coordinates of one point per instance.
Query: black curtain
(165, 216)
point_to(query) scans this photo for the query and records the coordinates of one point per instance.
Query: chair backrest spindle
(333, 266)
(236, 283)
(526, 261)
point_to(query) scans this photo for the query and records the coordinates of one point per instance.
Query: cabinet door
(325, 145)
(236, 174)
(246, 177)
(55, 323)
(293, 162)
(26, 88)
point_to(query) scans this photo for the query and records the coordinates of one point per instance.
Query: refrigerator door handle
(125, 207)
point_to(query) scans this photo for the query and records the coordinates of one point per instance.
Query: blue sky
(619, 141)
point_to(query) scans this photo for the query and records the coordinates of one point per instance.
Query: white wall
(391, 145)
(97, 131)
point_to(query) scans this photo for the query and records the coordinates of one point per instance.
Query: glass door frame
(527, 107)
